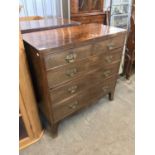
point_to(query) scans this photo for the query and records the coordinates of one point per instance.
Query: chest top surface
(55, 38)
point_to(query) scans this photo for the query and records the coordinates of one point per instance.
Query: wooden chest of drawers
(73, 67)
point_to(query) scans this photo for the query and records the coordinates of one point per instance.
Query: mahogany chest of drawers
(73, 67)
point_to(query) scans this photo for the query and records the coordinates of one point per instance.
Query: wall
(41, 8)
(65, 8)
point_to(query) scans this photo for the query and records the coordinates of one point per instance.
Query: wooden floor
(106, 128)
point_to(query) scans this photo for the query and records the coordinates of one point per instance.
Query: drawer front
(108, 45)
(112, 57)
(68, 56)
(97, 19)
(76, 86)
(69, 72)
(89, 19)
(71, 88)
(86, 97)
(105, 73)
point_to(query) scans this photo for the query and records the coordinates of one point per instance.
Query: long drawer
(76, 86)
(112, 57)
(73, 104)
(74, 55)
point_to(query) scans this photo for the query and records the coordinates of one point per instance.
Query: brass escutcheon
(71, 72)
(70, 58)
(72, 89)
(74, 105)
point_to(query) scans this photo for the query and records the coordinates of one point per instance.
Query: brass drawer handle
(74, 105)
(72, 89)
(71, 72)
(107, 73)
(70, 58)
(111, 46)
(105, 89)
(109, 58)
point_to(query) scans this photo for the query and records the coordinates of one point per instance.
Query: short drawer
(108, 45)
(69, 72)
(104, 73)
(112, 57)
(108, 71)
(68, 56)
(73, 104)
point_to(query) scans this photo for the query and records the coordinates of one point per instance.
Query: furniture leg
(54, 130)
(111, 95)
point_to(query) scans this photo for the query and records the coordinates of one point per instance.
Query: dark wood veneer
(73, 67)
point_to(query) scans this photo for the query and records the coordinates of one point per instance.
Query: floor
(106, 128)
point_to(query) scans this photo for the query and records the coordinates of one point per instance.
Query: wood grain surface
(28, 105)
(56, 38)
(73, 67)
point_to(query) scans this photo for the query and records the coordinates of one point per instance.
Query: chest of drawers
(73, 67)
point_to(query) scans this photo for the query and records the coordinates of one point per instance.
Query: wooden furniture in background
(129, 64)
(32, 24)
(75, 67)
(30, 129)
(87, 11)
(30, 18)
